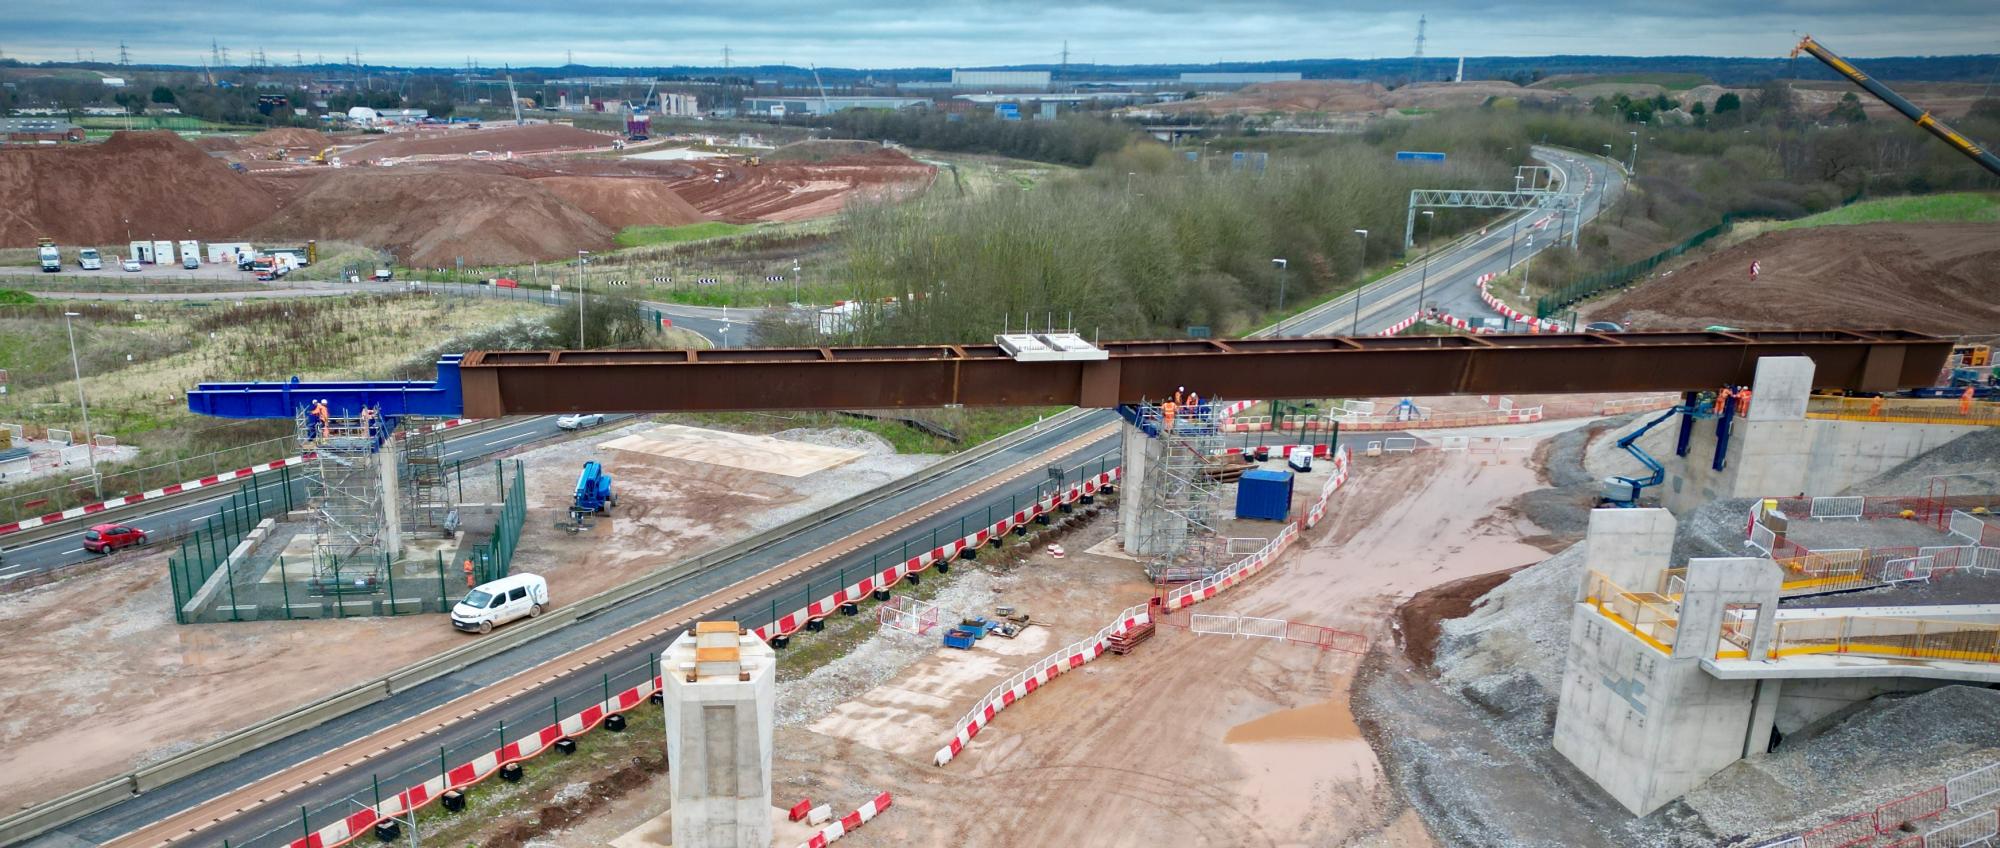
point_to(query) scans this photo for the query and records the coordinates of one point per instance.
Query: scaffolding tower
(426, 489)
(344, 494)
(1183, 493)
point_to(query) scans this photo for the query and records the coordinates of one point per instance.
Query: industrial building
(38, 130)
(1033, 80)
(779, 107)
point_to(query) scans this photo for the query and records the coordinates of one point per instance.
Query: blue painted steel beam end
(441, 398)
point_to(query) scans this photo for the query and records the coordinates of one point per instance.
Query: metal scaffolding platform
(1181, 490)
(344, 493)
(426, 482)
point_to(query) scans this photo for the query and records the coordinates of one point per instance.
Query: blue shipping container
(1264, 494)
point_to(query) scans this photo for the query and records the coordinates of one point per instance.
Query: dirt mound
(1460, 95)
(1933, 278)
(1422, 617)
(290, 137)
(535, 138)
(156, 181)
(624, 202)
(433, 218)
(1290, 97)
(790, 191)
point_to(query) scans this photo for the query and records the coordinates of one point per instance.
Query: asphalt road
(56, 552)
(276, 823)
(1449, 280)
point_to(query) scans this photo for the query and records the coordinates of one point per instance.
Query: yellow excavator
(320, 157)
(1921, 117)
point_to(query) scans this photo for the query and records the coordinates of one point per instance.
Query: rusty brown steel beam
(547, 382)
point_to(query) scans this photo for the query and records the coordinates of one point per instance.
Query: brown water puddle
(1327, 720)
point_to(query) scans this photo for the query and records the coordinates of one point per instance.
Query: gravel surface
(1715, 529)
(1507, 655)
(882, 657)
(1888, 748)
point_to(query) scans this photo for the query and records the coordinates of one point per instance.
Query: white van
(492, 604)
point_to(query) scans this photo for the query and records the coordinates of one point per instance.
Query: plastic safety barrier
(175, 489)
(888, 577)
(849, 823)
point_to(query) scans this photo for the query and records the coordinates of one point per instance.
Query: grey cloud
(904, 33)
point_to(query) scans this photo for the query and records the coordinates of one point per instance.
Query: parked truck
(45, 250)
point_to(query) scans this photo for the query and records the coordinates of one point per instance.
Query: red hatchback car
(107, 538)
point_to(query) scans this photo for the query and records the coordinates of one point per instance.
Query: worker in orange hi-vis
(1721, 400)
(1875, 407)
(1167, 410)
(468, 572)
(1743, 402)
(1965, 401)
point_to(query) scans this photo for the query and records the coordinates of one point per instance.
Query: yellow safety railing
(1894, 638)
(1905, 410)
(1647, 615)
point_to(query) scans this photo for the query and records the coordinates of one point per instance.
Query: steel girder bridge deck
(490, 384)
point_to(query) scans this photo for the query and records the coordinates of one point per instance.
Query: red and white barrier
(1024, 682)
(1074, 656)
(1538, 325)
(177, 488)
(848, 823)
(888, 577)
(479, 768)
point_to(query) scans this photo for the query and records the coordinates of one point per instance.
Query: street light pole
(1530, 267)
(795, 281)
(1424, 281)
(89, 437)
(1355, 330)
(1633, 166)
(1280, 264)
(580, 255)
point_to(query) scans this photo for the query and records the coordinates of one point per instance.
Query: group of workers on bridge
(1182, 399)
(318, 418)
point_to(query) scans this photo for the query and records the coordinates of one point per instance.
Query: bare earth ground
(1192, 739)
(102, 679)
(1932, 278)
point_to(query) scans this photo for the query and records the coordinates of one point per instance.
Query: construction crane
(824, 106)
(516, 99)
(1922, 117)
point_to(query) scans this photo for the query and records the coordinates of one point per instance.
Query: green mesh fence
(216, 577)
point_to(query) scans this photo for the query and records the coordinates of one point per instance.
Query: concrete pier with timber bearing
(720, 693)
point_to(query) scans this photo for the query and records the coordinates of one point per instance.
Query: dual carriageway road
(320, 768)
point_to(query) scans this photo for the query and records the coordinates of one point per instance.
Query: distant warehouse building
(779, 107)
(1239, 79)
(38, 130)
(1018, 80)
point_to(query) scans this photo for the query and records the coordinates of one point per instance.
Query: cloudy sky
(904, 33)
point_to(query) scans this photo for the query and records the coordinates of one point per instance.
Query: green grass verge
(1958, 207)
(15, 297)
(644, 236)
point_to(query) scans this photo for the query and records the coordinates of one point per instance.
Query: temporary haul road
(405, 728)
